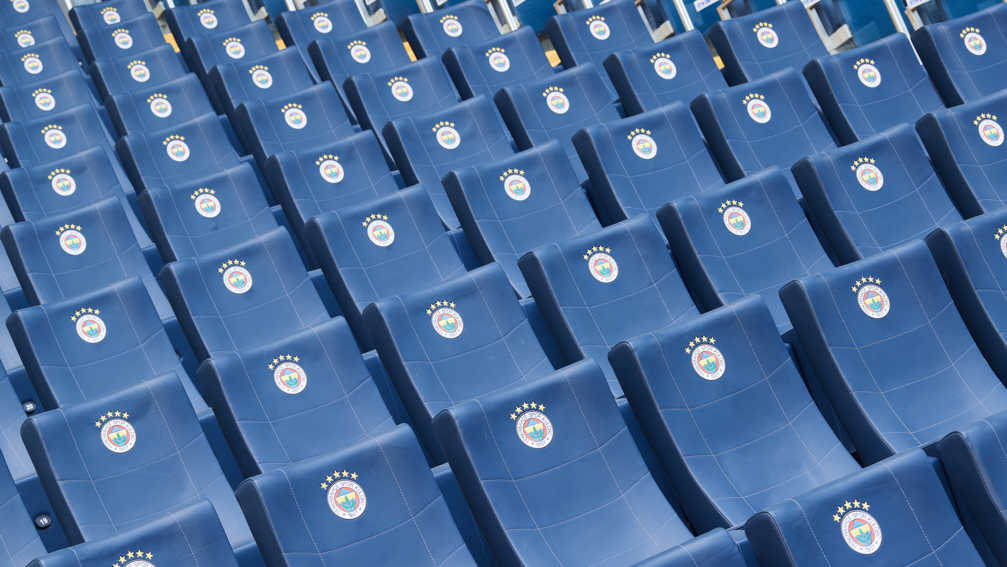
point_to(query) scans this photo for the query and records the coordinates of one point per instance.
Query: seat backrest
(856, 88)
(336, 20)
(140, 71)
(465, 23)
(765, 42)
(372, 50)
(511, 206)
(750, 237)
(624, 179)
(379, 97)
(386, 508)
(314, 380)
(277, 74)
(38, 100)
(715, 548)
(51, 138)
(499, 441)
(890, 403)
(128, 37)
(761, 388)
(510, 59)
(159, 107)
(675, 70)
(769, 121)
(105, 15)
(597, 290)
(205, 18)
(27, 34)
(245, 43)
(589, 36)
(849, 191)
(38, 62)
(21, 541)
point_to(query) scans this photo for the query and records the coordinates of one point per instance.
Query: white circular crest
(331, 171)
(447, 322)
(665, 68)
(123, 40)
(499, 62)
(346, 499)
(63, 184)
(759, 111)
(381, 233)
(21, 6)
(140, 73)
(708, 362)
(975, 43)
(262, 78)
(402, 91)
(237, 279)
(91, 328)
(360, 53)
(177, 150)
(644, 146)
(207, 205)
(111, 17)
(160, 107)
(603, 267)
(767, 37)
(534, 429)
(448, 137)
(290, 378)
(873, 301)
(737, 221)
(33, 65)
(322, 24)
(295, 118)
(118, 435)
(599, 30)
(870, 177)
(861, 532)
(452, 27)
(991, 132)
(1003, 245)
(139, 563)
(517, 187)
(72, 242)
(45, 101)
(25, 39)
(557, 102)
(869, 75)
(234, 49)
(55, 138)
(208, 20)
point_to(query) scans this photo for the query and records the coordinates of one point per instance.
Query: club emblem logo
(1001, 236)
(989, 129)
(860, 530)
(261, 76)
(735, 217)
(329, 168)
(379, 231)
(664, 66)
(515, 184)
(71, 239)
(122, 38)
(110, 15)
(159, 105)
(359, 52)
(234, 48)
(321, 22)
(867, 73)
(54, 136)
(346, 498)
(533, 427)
(207, 18)
(138, 71)
(117, 434)
(758, 110)
(707, 360)
(236, 278)
(135, 559)
(766, 35)
(176, 147)
(643, 145)
(62, 183)
(288, 375)
(24, 38)
(498, 60)
(21, 6)
(90, 328)
(447, 136)
(32, 63)
(294, 116)
(44, 100)
(556, 101)
(598, 28)
(873, 300)
(445, 320)
(869, 176)
(975, 43)
(206, 202)
(601, 264)
(451, 26)
(401, 89)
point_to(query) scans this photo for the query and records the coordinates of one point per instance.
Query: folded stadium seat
(246, 43)
(624, 179)
(340, 174)
(891, 403)
(965, 56)
(106, 15)
(205, 18)
(749, 238)
(850, 192)
(158, 107)
(965, 144)
(99, 461)
(510, 59)
(385, 510)
(780, 124)
(759, 44)
(336, 19)
(318, 383)
(510, 206)
(558, 519)
(427, 146)
(379, 97)
(589, 36)
(373, 50)
(243, 297)
(713, 549)
(556, 107)
(674, 70)
(128, 37)
(37, 100)
(893, 513)
(307, 119)
(597, 290)
(722, 471)
(140, 71)
(278, 74)
(38, 62)
(55, 137)
(454, 342)
(21, 541)
(458, 25)
(27, 34)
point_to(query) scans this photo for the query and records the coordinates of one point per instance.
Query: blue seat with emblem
(281, 73)
(965, 56)
(374, 503)
(127, 37)
(379, 97)
(205, 18)
(625, 180)
(896, 512)
(894, 357)
(715, 433)
(767, 41)
(38, 100)
(245, 43)
(456, 25)
(482, 69)
(27, 34)
(106, 14)
(158, 107)
(850, 194)
(597, 290)
(427, 146)
(675, 70)
(510, 206)
(373, 50)
(749, 238)
(315, 381)
(454, 342)
(244, 296)
(769, 121)
(22, 13)
(21, 541)
(38, 62)
(856, 88)
(139, 71)
(589, 36)
(319, 22)
(55, 137)
(382, 248)
(535, 460)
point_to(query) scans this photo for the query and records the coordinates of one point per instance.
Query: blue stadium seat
(307, 119)
(851, 192)
(139, 71)
(122, 461)
(770, 121)
(189, 537)
(27, 34)
(54, 137)
(385, 509)
(762, 43)
(457, 25)
(624, 179)
(373, 50)
(319, 383)
(454, 342)
(484, 68)
(537, 501)
(674, 70)
(597, 290)
(106, 15)
(427, 146)
(856, 88)
(246, 43)
(205, 18)
(893, 513)
(340, 174)
(715, 548)
(22, 13)
(589, 36)
(158, 107)
(21, 543)
(128, 37)
(243, 297)
(382, 248)
(379, 97)
(511, 206)
(281, 73)
(13, 454)
(38, 100)
(889, 399)
(965, 56)
(556, 107)
(715, 436)
(321, 21)
(207, 214)
(39, 62)
(964, 143)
